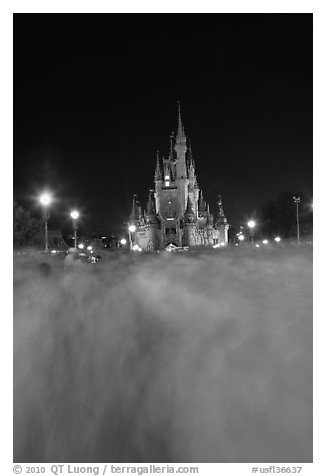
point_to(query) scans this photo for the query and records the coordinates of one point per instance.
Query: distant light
(237, 244)
(265, 242)
(222, 244)
(167, 183)
(167, 177)
(89, 248)
(277, 239)
(53, 251)
(216, 245)
(241, 237)
(136, 248)
(257, 246)
(81, 246)
(45, 199)
(74, 214)
(251, 224)
(103, 237)
(132, 228)
(123, 241)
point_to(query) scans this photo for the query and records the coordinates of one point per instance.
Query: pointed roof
(150, 205)
(190, 157)
(220, 206)
(158, 173)
(202, 205)
(133, 213)
(171, 146)
(181, 137)
(221, 219)
(189, 210)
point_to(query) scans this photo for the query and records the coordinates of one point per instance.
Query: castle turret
(151, 223)
(133, 214)
(190, 225)
(201, 204)
(150, 209)
(222, 223)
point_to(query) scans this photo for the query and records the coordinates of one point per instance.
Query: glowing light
(81, 246)
(136, 248)
(167, 183)
(222, 244)
(265, 242)
(251, 224)
(216, 245)
(132, 228)
(237, 244)
(123, 241)
(53, 251)
(241, 237)
(74, 214)
(277, 239)
(45, 199)
(89, 248)
(257, 246)
(167, 177)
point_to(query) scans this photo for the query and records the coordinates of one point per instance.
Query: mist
(169, 357)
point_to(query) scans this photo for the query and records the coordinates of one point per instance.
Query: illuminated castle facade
(176, 213)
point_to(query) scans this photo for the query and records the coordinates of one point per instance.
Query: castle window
(167, 184)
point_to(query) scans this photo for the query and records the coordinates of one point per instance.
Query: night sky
(95, 96)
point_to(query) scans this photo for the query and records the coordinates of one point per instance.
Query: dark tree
(27, 231)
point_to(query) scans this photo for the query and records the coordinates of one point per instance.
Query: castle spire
(171, 147)
(150, 207)
(220, 206)
(181, 137)
(158, 173)
(133, 214)
(202, 205)
(189, 213)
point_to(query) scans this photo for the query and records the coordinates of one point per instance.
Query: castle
(176, 214)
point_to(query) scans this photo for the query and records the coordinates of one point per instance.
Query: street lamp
(251, 226)
(123, 241)
(297, 201)
(131, 229)
(45, 201)
(74, 215)
(277, 239)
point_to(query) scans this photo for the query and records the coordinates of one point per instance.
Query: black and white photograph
(163, 238)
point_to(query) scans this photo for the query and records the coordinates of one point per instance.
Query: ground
(168, 357)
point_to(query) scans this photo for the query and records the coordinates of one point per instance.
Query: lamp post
(45, 200)
(74, 215)
(131, 229)
(297, 201)
(251, 226)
